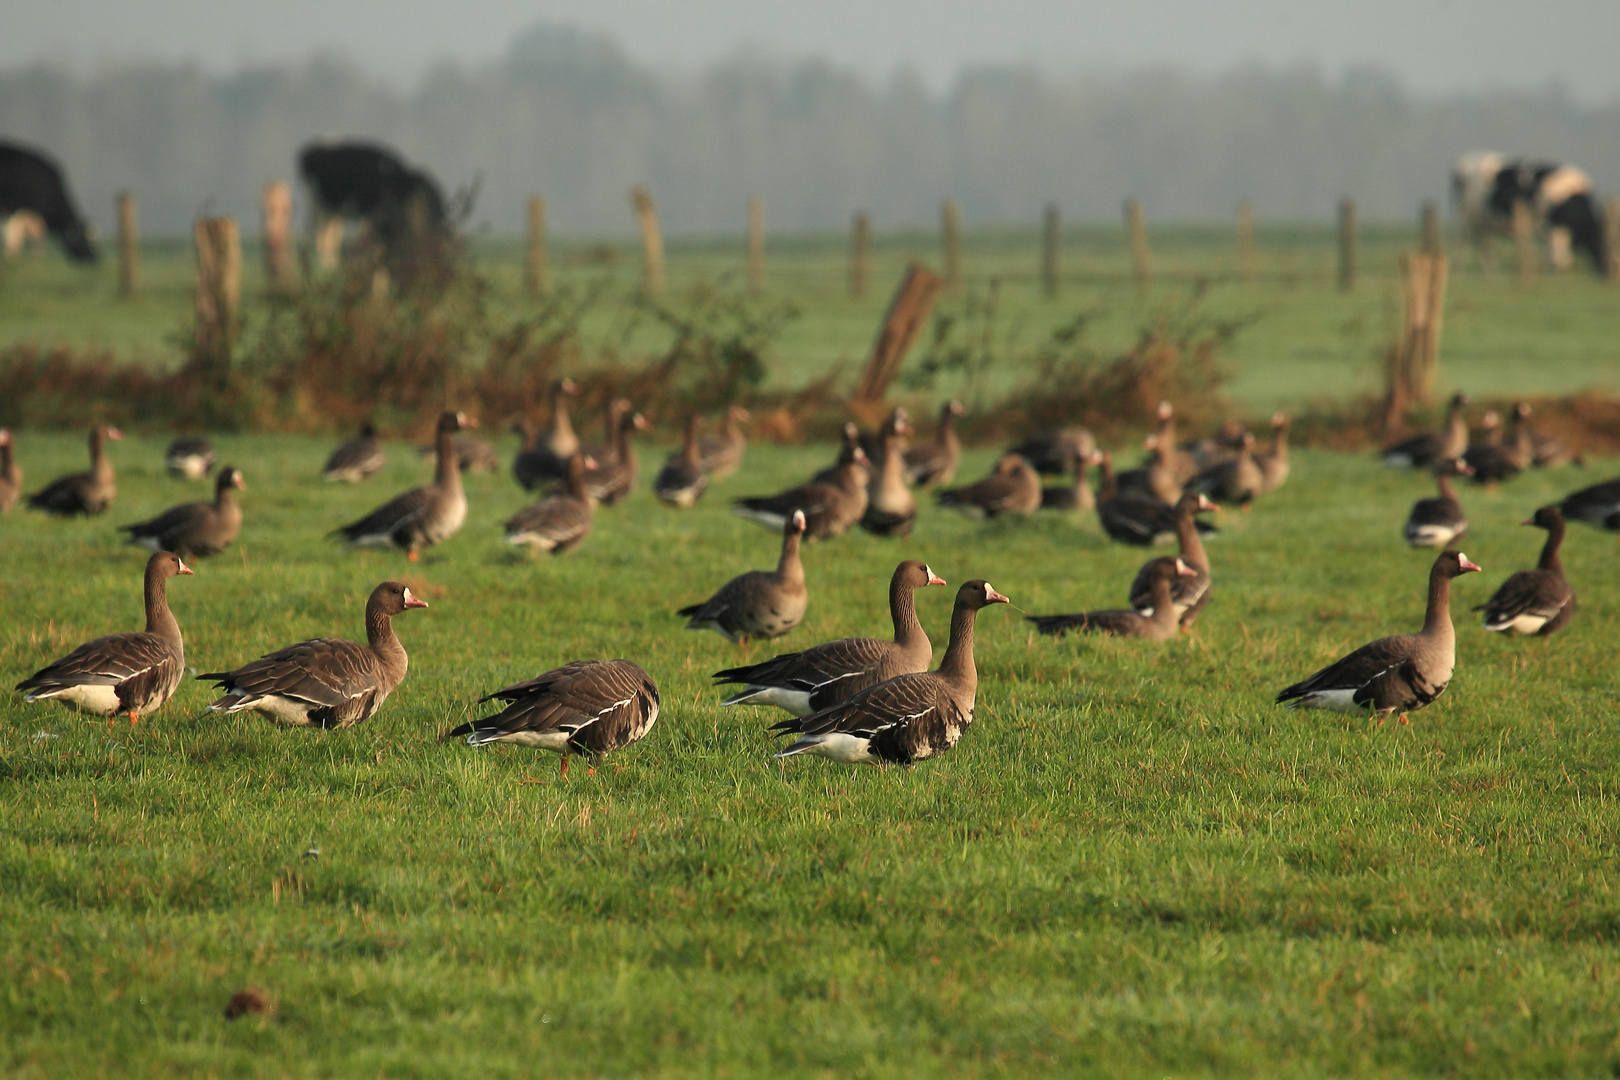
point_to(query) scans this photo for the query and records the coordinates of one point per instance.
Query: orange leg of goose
(133, 716)
(564, 772)
(411, 555)
(1405, 721)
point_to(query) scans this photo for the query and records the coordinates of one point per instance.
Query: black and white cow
(368, 183)
(32, 182)
(1486, 187)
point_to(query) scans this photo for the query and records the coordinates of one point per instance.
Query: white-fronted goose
(87, 492)
(589, 707)
(891, 509)
(325, 682)
(721, 454)
(122, 674)
(760, 603)
(189, 457)
(1214, 449)
(821, 676)
(1392, 674)
(1494, 462)
(1050, 452)
(1135, 521)
(195, 529)
(1181, 465)
(1535, 602)
(1162, 575)
(1596, 505)
(1438, 521)
(423, 516)
(1237, 479)
(849, 442)
(356, 459)
(1188, 594)
(1076, 495)
(682, 481)
(557, 522)
(473, 455)
(909, 717)
(830, 508)
(602, 452)
(11, 476)
(545, 457)
(1014, 487)
(1157, 480)
(612, 480)
(935, 463)
(1274, 463)
(1550, 452)
(1428, 448)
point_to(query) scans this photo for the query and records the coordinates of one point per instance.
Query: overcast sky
(1432, 46)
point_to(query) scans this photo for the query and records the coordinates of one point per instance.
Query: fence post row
(280, 259)
(129, 247)
(1524, 241)
(219, 291)
(652, 242)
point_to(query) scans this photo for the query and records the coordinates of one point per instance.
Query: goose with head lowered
(1136, 521)
(1393, 674)
(1187, 594)
(545, 457)
(1597, 505)
(559, 522)
(907, 718)
(821, 676)
(1076, 495)
(122, 674)
(935, 463)
(1013, 487)
(1535, 602)
(849, 441)
(325, 682)
(11, 476)
(1049, 452)
(891, 509)
(422, 516)
(356, 459)
(759, 603)
(830, 507)
(195, 529)
(721, 454)
(189, 457)
(1161, 574)
(1438, 521)
(1429, 448)
(589, 707)
(87, 492)
(681, 482)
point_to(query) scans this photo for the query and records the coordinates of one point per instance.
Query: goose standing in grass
(473, 455)
(122, 674)
(1014, 487)
(1135, 521)
(891, 509)
(1188, 594)
(1274, 462)
(721, 454)
(1597, 505)
(612, 480)
(1238, 479)
(195, 529)
(1438, 521)
(935, 463)
(87, 492)
(1158, 480)
(545, 458)
(682, 481)
(907, 718)
(356, 459)
(1075, 495)
(189, 457)
(558, 522)
(325, 682)
(1393, 674)
(1535, 602)
(1183, 467)
(849, 442)
(589, 707)
(830, 508)
(11, 476)
(759, 603)
(823, 675)
(423, 516)
(1494, 462)
(1050, 452)
(1161, 574)
(1429, 448)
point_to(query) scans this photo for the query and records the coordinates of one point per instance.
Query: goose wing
(596, 705)
(325, 672)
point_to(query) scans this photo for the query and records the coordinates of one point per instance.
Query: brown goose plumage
(721, 454)
(891, 509)
(1274, 462)
(611, 480)
(473, 455)
(1188, 594)
(1439, 521)
(1494, 461)
(87, 492)
(1050, 452)
(11, 476)
(760, 603)
(935, 463)
(195, 529)
(122, 674)
(808, 681)
(1238, 479)
(189, 457)
(356, 459)
(681, 482)
(907, 718)
(1136, 521)
(545, 457)
(1597, 505)
(325, 682)
(849, 442)
(423, 516)
(1075, 495)
(830, 508)
(1430, 448)
(1161, 574)
(557, 522)
(1013, 487)
(1535, 602)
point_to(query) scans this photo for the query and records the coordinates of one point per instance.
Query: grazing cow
(369, 183)
(30, 181)
(1486, 187)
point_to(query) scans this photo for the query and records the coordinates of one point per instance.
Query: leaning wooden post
(950, 227)
(1431, 242)
(652, 242)
(1141, 254)
(1245, 236)
(129, 247)
(908, 311)
(536, 276)
(1051, 245)
(756, 244)
(219, 292)
(860, 253)
(280, 261)
(1611, 239)
(1524, 241)
(1347, 244)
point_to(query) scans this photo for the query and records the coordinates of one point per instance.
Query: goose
(325, 682)
(473, 455)
(1135, 521)
(1162, 575)
(823, 675)
(759, 603)
(1238, 479)
(11, 476)
(1013, 487)
(891, 509)
(1597, 505)
(1188, 594)
(721, 454)
(1535, 602)
(1050, 452)
(1393, 674)
(1493, 462)
(589, 707)
(556, 523)
(830, 508)
(1073, 496)
(602, 452)
(122, 674)
(1274, 463)
(423, 516)
(1550, 452)
(682, 481)
(1214, 449)
(87, 492)
(935, 463)
(356, 459)
(611, 481)
(1429, 448)
(1439, 521)
(1181, 465)
(545, 458)
(1158, 480)
(195, 529)
(849, 442)
(189, 457)
(907, 718)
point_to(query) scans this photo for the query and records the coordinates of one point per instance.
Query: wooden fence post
(1524, 241)
(1245, 235)
(536, 276)
(652, 242)
(280, 261)
(1051, 246)
(219, 292)
(328, 241)
(1432, 242)
(860, 253)
(1141, 254)
(1611, 239)
(756, 244)
(950, 225)
(129, 247)
(1347, 244)
(908, 311)
(1413, 363)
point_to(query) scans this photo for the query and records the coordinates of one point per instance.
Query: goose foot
(411, 555)
(133, 716)
(1405, 721)
(564, 771)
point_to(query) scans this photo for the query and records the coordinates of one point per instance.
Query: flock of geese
(853, 700)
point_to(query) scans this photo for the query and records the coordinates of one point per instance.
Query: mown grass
(1134, 864)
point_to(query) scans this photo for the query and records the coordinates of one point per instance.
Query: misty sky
(1432, 46)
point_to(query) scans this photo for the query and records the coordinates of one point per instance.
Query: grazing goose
(760, 603)
(1429, 448)
(189, 457)
(545, 458)
(936, 462)
(1493, 462)
(1050, 452)
(1238, 479)
(1135, 521)
(682, 481)
(122, 674)
(589, 707)
(849, 441)
(87, 492)
(356, 459)
(1274, 463)
(1076, 495)
(557, 522)
(1213, 449)
(809, 681)
(721, 454)
(1537, 601)
(1596, 505)
(891, 509)
(422, 516)
(325, 682)
(612, 480)
(1439, 521)
(1160, 625)
(1157, 480)
(830, 508)
(11, 476)
(195, 529)
(473, 455)
(1188, 594)
(1549, 452)
(1014, 487)
(1392, 674)
(909, 717)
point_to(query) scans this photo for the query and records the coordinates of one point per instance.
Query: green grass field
(1133, 865)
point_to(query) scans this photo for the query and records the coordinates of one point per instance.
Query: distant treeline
(570, 116)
